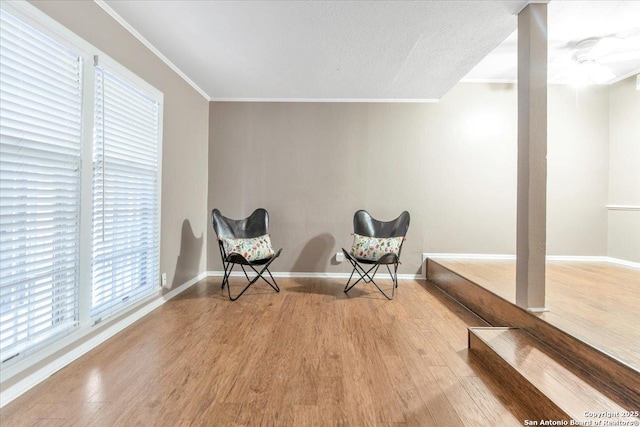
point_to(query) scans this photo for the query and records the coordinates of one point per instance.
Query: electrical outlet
(164, 280)
(339, 256)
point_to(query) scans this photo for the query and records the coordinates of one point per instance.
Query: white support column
(531, 237)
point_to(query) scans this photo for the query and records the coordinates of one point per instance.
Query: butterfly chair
(376, 243)
(245, 242)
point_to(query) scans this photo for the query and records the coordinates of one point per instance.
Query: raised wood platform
(469, 283)
(549, 383)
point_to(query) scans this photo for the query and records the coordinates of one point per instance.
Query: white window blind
(125, 264)
(40, 153)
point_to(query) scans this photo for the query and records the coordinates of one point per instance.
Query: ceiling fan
(594, 57)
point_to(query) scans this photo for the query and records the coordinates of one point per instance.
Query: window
(125, 194)
(80, 149)
(40, 152)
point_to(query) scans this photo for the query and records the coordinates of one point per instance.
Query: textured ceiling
(324, 50)
(570, 22)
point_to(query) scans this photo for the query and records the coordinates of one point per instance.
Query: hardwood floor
(310, 355)
(594, 302)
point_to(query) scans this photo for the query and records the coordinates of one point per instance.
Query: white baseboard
(573, 258)
(14, 391)
(624, 262)
(577, 258)
(537, 310)
(623, 208)
(466, 256)
(323, 275)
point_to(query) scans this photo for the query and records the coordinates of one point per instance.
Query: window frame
(41, 111)
(154, 95)
(90, 55)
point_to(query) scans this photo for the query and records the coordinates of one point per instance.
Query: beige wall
(624, 167)
(578, 154)
(185, 128)
(452, 165)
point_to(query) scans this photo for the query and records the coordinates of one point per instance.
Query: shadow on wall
(189, 258)
(313, 257)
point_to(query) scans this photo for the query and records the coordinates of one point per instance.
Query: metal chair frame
(254, 225)
(365, 225)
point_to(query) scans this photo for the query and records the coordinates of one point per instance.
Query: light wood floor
(308, 356)
(595, 302)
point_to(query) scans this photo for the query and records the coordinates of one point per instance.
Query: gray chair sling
(255, 225)
(365, 225)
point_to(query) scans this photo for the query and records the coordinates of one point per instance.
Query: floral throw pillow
(372, 248)
(253, 249)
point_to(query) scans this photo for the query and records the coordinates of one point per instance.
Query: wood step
(497, 311)
(551, 385)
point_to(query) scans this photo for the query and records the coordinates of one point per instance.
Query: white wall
(578, 167)
(624, 167)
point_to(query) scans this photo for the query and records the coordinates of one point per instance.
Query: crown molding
(149, 46)
(327, 100)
